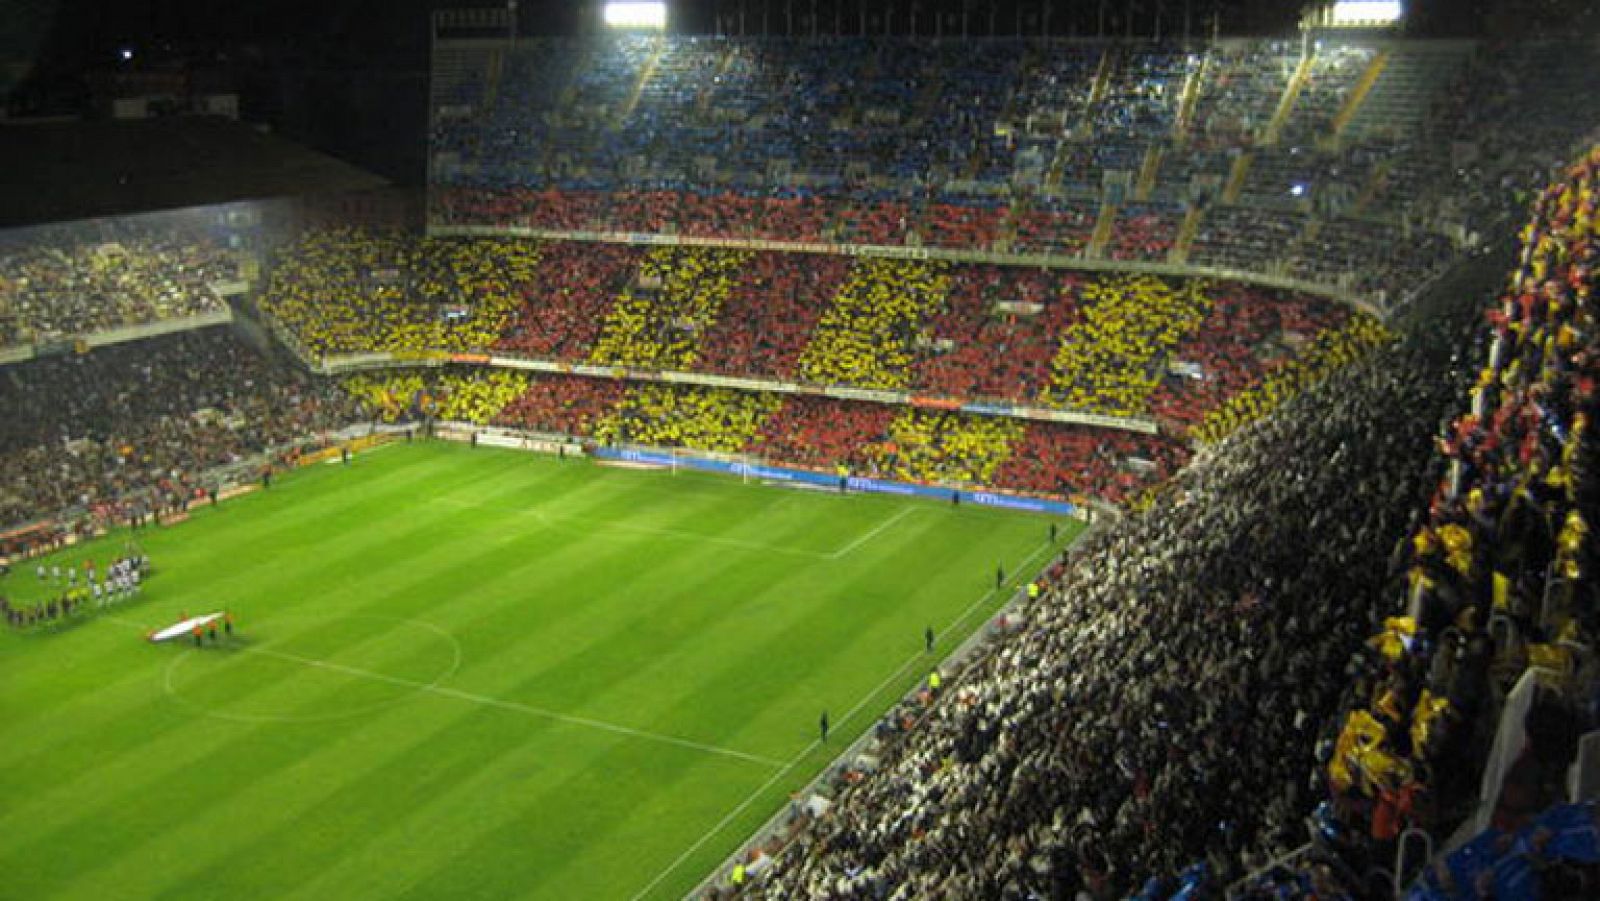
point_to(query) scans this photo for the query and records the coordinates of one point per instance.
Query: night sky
(350, 76)
(83, 28)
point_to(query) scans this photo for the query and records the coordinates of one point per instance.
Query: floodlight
(1298, 189)
(1350, 12)
(634, 14)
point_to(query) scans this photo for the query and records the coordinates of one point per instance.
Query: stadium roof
(74, 170)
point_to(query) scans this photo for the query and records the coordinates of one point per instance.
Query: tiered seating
(1057, 225)
(1072, 461)
(708, 419)
(1246, 83)
(1053, 93)
(823, 433)
(70, 279)
(1248, 333)
(977, 348)
(563, 405)
(1330, 351)
(657, 322)
(774, 218)
(1142, 94)
(645, 212)
(1368, 257)
(867, 337)
(946, 448)
(564, 310)
(140, 426)
(770, 314)
(1335, 70)
(1145, 231)
(869, 221)
(1110, 358)
(974, 224)
(466, 395)
(347, 290)
(1233, 237)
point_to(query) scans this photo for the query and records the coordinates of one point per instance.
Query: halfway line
(496, 702)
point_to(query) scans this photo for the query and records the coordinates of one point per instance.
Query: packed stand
(464, 394)
(76, 278)
(349, 290)
(658, 320)
(1110, 359)
(1496, 581)
(1100, 464)
(867, 337)
(1055, 225)
(1160, 701)
(563, 405)
(563, 311)
(771, 313)
(1248, 333)
(138, 426)
(706, 419)
(1328, 352)
(946, 448)
(824, 432)
(995, 337)
(1145, 232)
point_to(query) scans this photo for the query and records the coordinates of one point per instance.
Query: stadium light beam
(1382, 12)
(650, 16)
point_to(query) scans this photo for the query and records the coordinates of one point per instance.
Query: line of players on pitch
(121, 579)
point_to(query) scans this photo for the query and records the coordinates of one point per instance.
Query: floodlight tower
(634, 15)
(1371, 15)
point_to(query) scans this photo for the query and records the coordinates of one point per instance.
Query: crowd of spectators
(564, 405)
(709, 419)
(1110, 358)
(137, 427)
(770, 315)
(1327, 352)
(1114, 344)
(1107, 465)
(1159, 702)
(1248, 332)
(563, 311)
(997, 333)
(1497, 576)
(1145, 232)
(456, 394)
(352, 290)
(868, 336)
(947, 448)
(823, 432)
(59, 281)
(657, 322)
(896, 140)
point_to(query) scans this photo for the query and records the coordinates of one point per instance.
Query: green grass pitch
(473, 673)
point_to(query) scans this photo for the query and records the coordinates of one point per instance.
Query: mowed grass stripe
(437, 795)
(260, 598)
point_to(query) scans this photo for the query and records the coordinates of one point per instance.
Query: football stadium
(801, 450)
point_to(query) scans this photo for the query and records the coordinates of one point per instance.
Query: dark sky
(390, 28)
(101, 25)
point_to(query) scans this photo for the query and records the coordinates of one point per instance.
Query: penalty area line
(874, 533)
